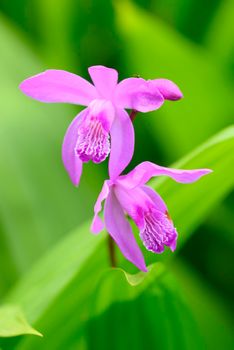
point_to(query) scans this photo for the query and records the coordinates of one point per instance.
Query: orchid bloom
(88, 136)
(128, 194)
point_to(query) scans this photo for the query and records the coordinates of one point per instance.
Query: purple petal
(59, 86)
(71, 161)
(120, 230)
(139, 200)
(97, 224)
(156, 198)
(125, 90)
(144, 171)
(105, 80)
(122, 143)
(138, 94)
(168, 89)
(133, 201)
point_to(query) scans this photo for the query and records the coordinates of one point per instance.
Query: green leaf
(153, 316)
(129, 286)
(13, 322)
(54, 272)
(68, 275)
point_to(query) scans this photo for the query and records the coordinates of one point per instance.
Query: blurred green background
(188, 41)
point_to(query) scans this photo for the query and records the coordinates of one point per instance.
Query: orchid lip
(158, 231)
(93, 142)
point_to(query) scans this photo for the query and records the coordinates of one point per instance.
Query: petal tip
(144, 269)
(97, 225)
(168, 89)
(74, 179)
(206, 172)
(23, 86)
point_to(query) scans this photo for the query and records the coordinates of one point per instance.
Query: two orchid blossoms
(104, 128)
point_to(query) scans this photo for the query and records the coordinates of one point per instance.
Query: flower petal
(144, 171)
(105, 80)
(138, 94)
(125, 90)
(168, 89)
(97, 224)
(139, 200)
(71, 161)
(59, 86)
(122, 143)
(120, 230)
(156, 198)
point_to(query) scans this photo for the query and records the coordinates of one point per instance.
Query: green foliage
(51, 267)
(154, 313)
(13, 322)
(62, 284)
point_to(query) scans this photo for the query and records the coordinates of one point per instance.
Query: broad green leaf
(62, 284)
(54, 272)
(157, 317)
(13, 322)
(156, 50)
(129, 286)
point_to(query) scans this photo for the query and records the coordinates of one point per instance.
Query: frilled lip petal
(120, 230)
(138, 94)
(71, 161)
(161, 206)
(122, 143)
(93, 134)
(139, 200)
(59, 86)
(168, 89)
(105, 80)
(97, 224)
(143, 172)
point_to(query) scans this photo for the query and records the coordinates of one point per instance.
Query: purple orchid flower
(128, 194)
(88, 136)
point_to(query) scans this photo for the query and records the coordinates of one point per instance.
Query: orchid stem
(111, 248)
(133, 114)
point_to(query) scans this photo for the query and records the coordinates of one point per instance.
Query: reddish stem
(133, 114)
(111, 248)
